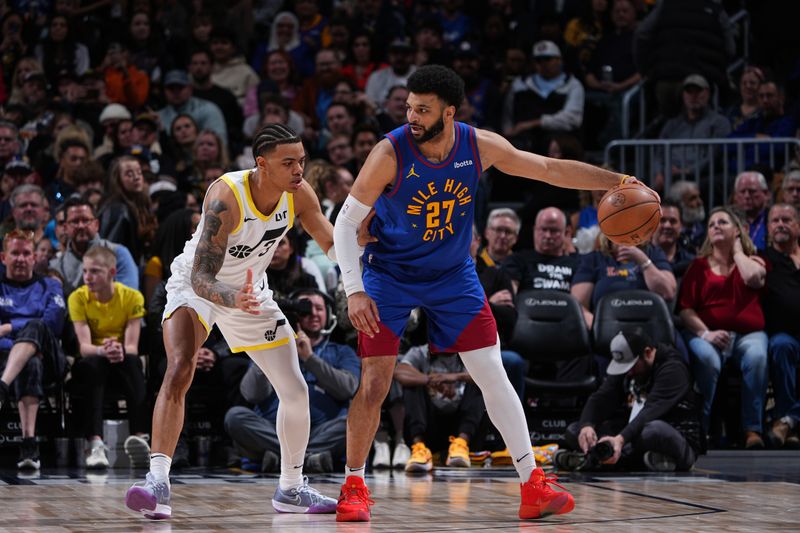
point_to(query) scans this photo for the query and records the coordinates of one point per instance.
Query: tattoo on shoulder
(209, 256)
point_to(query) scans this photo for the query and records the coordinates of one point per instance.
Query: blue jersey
(425, 220)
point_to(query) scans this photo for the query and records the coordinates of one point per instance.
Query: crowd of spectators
(116, 116)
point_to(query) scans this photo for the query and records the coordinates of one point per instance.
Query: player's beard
(430, 133)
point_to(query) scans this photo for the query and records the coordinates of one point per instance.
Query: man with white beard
(693, 213)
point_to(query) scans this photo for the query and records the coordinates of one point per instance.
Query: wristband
(100, 351)
(623, 178)
(646, 264)
(703, 335)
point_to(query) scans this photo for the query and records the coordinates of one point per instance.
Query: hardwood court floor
(724, 493)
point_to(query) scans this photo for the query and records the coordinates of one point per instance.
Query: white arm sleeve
(345, 239)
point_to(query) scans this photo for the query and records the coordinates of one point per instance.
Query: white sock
(357, 472)
(95, 443)
(503, 405)
(293, 421)
(159, 466)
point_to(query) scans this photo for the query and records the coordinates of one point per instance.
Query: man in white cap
(109, 119)
(662, 426)
(545, 102)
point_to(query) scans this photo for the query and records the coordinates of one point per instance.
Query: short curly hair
(439, 80)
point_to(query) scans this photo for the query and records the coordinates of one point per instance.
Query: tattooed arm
(220, 215)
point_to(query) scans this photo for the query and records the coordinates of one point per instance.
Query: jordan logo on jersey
(439, 206)
(270, 237)
(411, 173)
(272, 333)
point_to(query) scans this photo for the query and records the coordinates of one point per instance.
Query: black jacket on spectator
(781, 296)
(494, 280)
(683, 37)
(669, 394)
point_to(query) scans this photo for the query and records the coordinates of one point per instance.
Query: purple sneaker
(149, 497)
(302, 500)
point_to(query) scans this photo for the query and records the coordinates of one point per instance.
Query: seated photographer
(332, 373)
(440, 400)
(645, 411)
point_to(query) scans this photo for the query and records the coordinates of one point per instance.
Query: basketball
(629, 214)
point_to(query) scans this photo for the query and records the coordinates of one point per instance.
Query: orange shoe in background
(539, 500)
(458, 454)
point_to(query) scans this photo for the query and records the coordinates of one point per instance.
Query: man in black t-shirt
(546, 266)
(781, 302)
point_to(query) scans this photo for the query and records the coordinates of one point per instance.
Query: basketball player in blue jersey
(421, 180)
(245, 214)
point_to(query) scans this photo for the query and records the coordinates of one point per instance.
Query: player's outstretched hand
(363, 313)
(633, 180)
(245, 299)
(364, 236)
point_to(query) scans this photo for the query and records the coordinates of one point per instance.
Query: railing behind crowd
(635, 96)
(712, 163)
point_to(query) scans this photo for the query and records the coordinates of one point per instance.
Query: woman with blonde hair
(25, 66)
(721, 310)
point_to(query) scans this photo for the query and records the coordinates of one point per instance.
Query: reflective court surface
(727, 491)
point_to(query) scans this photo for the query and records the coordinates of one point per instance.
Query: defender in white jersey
(245, 214)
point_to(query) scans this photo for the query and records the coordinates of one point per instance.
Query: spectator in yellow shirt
(107, 320)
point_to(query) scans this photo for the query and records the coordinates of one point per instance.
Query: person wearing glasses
(81, 227)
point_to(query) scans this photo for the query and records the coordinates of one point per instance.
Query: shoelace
(359, 493)
(551, 479)
(460, 447)
(418, 451)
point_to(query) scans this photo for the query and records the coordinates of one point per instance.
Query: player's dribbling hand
(632, 180)
(245, 299)
(364, 236)
(363, 313)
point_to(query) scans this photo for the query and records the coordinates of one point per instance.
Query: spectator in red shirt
(721, 310)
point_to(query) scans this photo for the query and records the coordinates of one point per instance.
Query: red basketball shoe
(539, 500)
(354, 501)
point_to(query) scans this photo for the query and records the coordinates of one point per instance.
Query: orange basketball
(629, 214)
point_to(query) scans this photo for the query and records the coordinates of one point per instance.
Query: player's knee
(179, 371)
(375, 387)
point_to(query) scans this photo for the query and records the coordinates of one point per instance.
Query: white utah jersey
(252, 242)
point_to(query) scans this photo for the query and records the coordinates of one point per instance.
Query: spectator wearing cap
(770, 121)
(543, 103)
(401, 66)
(790, 188)
(230, 70)
(202, 87)
(125, 84)
(661, 428)
(109, 119)
(145, 132)
(679, 38)
(481, 92)
(9, 142)
(696, 121)
(178, 94)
